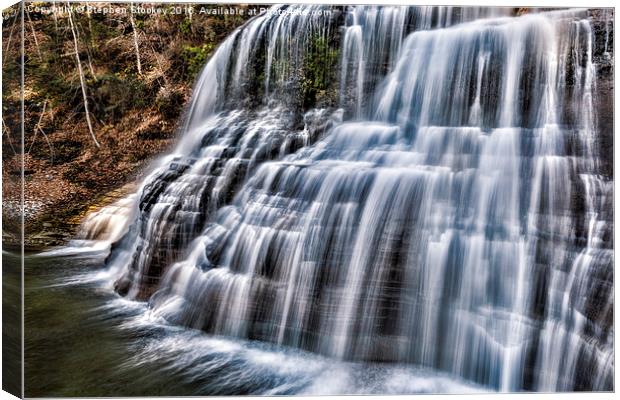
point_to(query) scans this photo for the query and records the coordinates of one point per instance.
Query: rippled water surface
(84, 340)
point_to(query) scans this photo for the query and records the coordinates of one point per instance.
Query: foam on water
(271, 370)
(454, 215)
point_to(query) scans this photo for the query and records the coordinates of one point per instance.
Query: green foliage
(169, 103)
(140, 21)
(97, 28)
(186, 26)
(49, 80)
(194, 57)
(319, 71)
(113, 95)
(134, 115)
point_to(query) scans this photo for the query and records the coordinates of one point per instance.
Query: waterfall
(373, 37)
(449, 207)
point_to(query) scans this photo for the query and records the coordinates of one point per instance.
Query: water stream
(449, 214)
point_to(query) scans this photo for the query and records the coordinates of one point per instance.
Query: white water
(460, 222)
(266, 369)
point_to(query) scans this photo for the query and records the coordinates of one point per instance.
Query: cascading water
(373, 37)
(460, 221)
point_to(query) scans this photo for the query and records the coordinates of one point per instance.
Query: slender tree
(38, 128)
(135, 42)
(34, 35)
(90, 46)
(54, 16)
(8, 42)
(82, 80)
(5, 129)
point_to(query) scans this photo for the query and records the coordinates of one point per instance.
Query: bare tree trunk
(5, 129)
(34, 35)
(54, 15)
(191, 25)
(135, 42)
(88, 48)
(90, 66)
(90, 63)
(37, 129)
(8, 42)
(82, 82)
(90, 30)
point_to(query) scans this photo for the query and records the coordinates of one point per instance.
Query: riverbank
(73, 317)
(103, 95)
(53, 215)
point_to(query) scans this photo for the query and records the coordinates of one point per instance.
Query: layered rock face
(441, 197)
